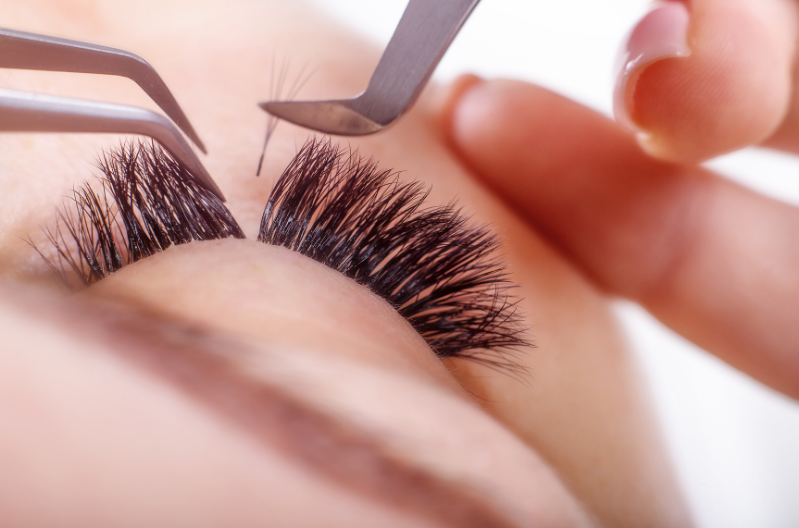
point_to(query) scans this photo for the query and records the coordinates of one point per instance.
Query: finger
(712, 260)
(786, 136)
(706, 77)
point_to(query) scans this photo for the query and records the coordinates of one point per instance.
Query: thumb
(703, 77)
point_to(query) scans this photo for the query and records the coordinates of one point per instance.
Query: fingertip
(448, 97)
(500, 126)
(474, 120)
(733, 90)
(486, 119)
(462, 106)
(660, 35)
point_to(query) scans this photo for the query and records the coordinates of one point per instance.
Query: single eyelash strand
(154, 203)
(278, 82)
(434, 268)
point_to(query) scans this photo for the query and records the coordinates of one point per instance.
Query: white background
(735, 443)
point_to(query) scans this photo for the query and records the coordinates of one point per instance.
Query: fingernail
(661, 34)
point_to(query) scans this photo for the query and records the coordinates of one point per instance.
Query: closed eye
(333, 206)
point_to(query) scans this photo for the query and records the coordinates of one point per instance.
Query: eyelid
(148, 202)
(434, 268)
(428, 263)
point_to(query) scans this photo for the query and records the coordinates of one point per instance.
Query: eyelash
(154, 203)
(332, 206)
(429, 264)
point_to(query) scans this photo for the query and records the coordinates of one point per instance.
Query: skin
(737, 88)
(712, 260)
(189, 389)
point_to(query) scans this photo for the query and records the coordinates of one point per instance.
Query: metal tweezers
(423, 35)
(28, 112)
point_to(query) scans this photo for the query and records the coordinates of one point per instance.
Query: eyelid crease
(428, 263)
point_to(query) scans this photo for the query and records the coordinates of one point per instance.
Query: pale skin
(101, 433)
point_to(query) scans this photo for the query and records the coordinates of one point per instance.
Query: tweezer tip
(328, 117)
(205, 179)
(199, 144)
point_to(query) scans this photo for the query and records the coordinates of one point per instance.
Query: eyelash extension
(147, 203)
(433, 267)
(338, 209)
(278, 82)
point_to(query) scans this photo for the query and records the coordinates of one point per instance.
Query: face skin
(234, 383)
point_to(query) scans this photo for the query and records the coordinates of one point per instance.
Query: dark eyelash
(153, 204)
(435, 269)
(276, 93)
(338, 209)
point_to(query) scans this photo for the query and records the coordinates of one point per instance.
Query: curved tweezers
(423, 35)
(27, 112)
(28, 51)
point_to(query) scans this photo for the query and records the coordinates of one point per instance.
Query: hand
(715, 262)
(706, 77)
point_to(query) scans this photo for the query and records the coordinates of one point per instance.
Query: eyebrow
(205, 366)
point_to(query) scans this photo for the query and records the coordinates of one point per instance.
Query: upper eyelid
(339, 209)
(148, 202)
(438, 271)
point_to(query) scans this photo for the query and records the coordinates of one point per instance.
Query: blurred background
(735, 442)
